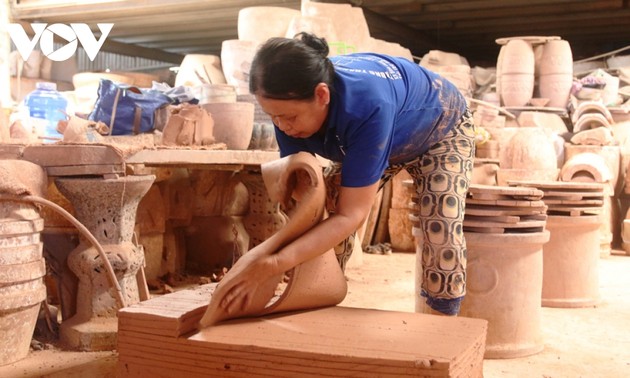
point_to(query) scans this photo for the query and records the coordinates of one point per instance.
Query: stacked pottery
(555, 77)
(571, 258)
(22, 269)
(597, 164)
(504, 230)
(516, 70)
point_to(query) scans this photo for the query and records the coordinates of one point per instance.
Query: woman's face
(298, 118)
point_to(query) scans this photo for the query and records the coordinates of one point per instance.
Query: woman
(375, 115)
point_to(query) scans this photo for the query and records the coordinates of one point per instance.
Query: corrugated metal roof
(168, 29)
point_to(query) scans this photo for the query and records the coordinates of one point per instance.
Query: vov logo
(45, 33)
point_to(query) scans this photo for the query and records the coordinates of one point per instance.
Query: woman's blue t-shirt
(383, 110)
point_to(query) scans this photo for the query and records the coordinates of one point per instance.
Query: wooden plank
(56, 155)
(82, 170)
(11, 151)
(201, 157)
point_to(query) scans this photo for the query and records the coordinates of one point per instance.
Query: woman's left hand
(248, 284)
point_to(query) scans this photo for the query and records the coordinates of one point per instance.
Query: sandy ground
(582, 342)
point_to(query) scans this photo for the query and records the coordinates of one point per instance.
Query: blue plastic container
(48, 104)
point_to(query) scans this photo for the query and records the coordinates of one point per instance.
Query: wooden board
(334, 341)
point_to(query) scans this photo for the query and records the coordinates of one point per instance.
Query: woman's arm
(352, 209)
(254, 268)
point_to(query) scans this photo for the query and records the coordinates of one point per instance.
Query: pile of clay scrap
(569, 198)
(158, 338)
(501, 209)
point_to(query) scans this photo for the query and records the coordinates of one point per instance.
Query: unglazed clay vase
(236, 61)
(349, 23)
(233, 123)
(517, 73)
(556, 72)
(260, 23)
(504, 285)
(321, 26)
(315, 283)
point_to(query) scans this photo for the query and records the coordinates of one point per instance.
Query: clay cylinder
(22, 269)
(504, 283)
(517, 73)
(570, 261)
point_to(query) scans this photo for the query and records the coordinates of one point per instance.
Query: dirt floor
(582, 342)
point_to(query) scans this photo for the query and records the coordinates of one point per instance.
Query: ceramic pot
(349, 23)
(504, 283)
(233, 123)
(236, 60)
(260, 23)
(321, 26)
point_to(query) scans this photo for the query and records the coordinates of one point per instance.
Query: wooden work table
(96, 159)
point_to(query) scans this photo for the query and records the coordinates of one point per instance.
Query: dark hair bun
(318, 44)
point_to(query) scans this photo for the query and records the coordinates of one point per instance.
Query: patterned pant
(441, 179)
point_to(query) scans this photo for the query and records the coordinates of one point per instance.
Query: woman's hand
(248, 285)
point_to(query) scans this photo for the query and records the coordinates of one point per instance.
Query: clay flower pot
(233, 123)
